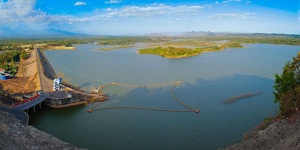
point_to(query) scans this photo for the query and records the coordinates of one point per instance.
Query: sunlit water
(207, 79)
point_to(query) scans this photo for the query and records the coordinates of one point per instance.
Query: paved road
(19, 114)
(46, 83)
(32, 103)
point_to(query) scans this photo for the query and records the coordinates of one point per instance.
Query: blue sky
(130, 17)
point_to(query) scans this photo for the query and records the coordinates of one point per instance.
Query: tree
(23, 55)
(287, 87)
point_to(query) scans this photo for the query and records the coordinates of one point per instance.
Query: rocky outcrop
(280, 135)
(14, 135)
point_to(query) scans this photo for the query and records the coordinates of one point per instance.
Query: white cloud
(247, 2)
(19, 11)
(181, 19)
(80, 4)
(69, 19)
(129, 11)
(23, 12)
(151, 10)
(113, 2)
(234, 15)
(227, 1)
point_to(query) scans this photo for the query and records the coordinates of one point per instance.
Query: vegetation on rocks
(287, 86)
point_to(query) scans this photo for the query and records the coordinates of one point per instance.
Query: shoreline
(58, 48)
(46, 47)
(114, 48)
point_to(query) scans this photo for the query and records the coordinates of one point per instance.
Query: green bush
(287, 88)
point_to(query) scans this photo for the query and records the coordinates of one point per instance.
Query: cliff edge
(14, 135)
(279, 135)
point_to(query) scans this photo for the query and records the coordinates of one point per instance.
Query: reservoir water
(207, 80)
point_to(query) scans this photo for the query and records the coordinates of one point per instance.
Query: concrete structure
(33, 103)
(60, 98)
(57, 84)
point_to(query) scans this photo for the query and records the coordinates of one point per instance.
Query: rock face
(280, 135)
(14, 135)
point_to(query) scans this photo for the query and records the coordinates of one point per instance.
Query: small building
(57, 84)
(60, 98)
(4, 76)
(2, 71)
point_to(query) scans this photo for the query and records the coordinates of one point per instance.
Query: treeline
(10, 44)
(127, 40)
(234, 40)
(13, 43)
(170, 51)
(10, 59)
(286, 41)
(28, 41)
(255, 39)
(231, 45)
(107, 40)
(287, 88)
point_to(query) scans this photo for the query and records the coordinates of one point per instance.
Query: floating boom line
(239, 97)
(99, 90)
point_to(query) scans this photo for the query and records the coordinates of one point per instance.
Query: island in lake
(183, 52)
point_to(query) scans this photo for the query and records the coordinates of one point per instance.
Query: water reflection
(207, 80)
(215, 126)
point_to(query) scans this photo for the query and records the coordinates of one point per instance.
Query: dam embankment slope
(15, 133)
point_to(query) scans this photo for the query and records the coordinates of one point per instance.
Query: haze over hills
(120, 17)
(49, 33)
(12, 33)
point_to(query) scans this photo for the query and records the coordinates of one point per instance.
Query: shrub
(287, 88)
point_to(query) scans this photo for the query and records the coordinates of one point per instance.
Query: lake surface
(207, 80)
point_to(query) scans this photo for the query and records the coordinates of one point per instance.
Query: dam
(68, 97)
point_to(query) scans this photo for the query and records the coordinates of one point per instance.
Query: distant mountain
(198, 33)
(155, 34)
(55, 32)
(222, 34)
(8, 32)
